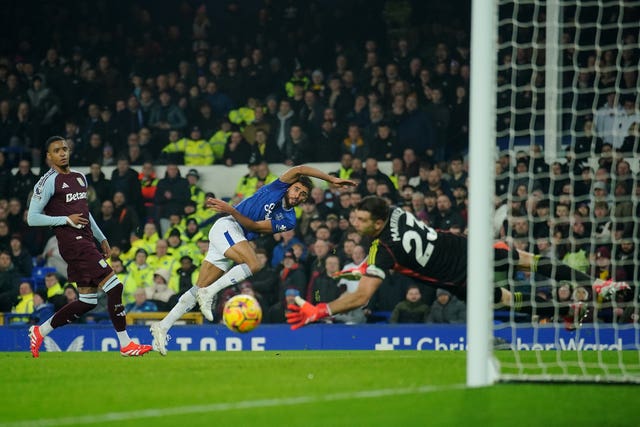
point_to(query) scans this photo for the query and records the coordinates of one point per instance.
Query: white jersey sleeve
(42, 192)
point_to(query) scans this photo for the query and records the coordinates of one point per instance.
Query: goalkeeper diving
(406, 245)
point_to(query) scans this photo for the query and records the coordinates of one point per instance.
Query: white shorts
(225, 233)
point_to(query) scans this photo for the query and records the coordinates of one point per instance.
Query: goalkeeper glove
(302, 313)
(351, 273)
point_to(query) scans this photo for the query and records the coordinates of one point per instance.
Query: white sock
(45, 328)
(185, 303)
(123, 337)
(232, 277)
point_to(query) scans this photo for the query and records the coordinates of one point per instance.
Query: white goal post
(541, 72)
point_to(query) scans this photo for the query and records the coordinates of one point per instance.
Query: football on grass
(242, 313)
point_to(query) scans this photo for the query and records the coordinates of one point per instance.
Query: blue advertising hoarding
(328, 337)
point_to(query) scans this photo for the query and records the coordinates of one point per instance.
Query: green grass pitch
(290, 388)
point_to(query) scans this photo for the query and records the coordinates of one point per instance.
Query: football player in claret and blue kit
(59, 200)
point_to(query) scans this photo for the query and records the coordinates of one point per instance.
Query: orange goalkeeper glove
(302, 313)
(354, 273)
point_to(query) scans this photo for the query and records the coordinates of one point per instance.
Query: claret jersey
(412, 248)
(57, 196)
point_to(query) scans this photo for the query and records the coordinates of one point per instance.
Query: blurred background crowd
(138, 84)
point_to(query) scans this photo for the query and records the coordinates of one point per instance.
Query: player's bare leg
(208, 273)
(244, 256)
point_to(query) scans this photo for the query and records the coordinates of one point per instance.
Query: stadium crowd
(202, 83)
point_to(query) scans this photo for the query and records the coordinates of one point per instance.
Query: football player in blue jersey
(231, 258)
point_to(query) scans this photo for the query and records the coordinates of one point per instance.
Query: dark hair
(51, 140)
(376, 206)
(306, 181)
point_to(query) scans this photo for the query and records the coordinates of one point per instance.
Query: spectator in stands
(14, 214)
(415, 130)
(187, 274)
(166, 116)
(159, 292)
(285, 240)
(602, 268)
(24, 302)
(108, 223)
(5, 171)
(457, 174)
(54, 291)
(605, 117)
(21, 258)
(320, 249)
(97, 180)
(383, 144)
(171, 195)
(601, 222)
(161, 258)
(447, 309)
(627, 257)
(264, 148)
(195, 149)
(71, 293)
(354, 143)
(440, 117)
(412, 310)
(298, 147)
(140, 269)
(5, 236)
(292, 275)
(9, 281)
(196, 192)
(338, 98)
(419, 209)
(321, 207)
(265, 280)
(23, 181)
(51, 257)
(237, 150)
(146, 241)
(129, 283)
(623, 120)
(631, 143)
(130, 120)
(141, 304)
(276, 312)
(282, 131)
(371, 170)
(323, 286)
(125, 180)
(42, 310)
(127, 220)
(447, 217)
(148, 186)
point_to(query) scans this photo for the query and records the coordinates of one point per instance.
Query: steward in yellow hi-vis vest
(219, 140)
(196, 150)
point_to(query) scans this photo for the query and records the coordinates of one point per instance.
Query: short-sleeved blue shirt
(267, 203)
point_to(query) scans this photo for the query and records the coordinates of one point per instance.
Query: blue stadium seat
(379, 317)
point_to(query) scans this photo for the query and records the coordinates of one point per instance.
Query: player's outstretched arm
(291, 175)
(248, 223)
(302, 313)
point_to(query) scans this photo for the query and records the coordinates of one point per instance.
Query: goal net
(567, 189)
